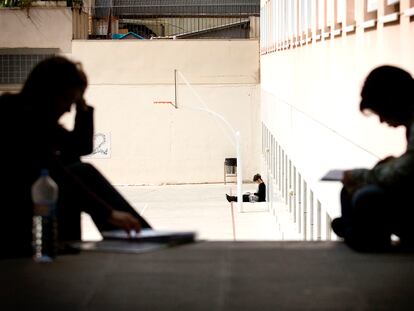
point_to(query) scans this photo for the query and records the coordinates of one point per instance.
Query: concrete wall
(310, 102)
(153, 143)
(156, 143)
(40, 27)
(80, 22)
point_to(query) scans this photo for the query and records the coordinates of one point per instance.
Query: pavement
(198, 207)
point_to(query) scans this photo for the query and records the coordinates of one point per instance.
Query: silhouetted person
(378, 202)
(33, 139)
(259, 196)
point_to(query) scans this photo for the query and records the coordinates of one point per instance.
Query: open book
(333, 175)
(118, 241)
(151, 235)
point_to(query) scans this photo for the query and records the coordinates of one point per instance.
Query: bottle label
(41, 210)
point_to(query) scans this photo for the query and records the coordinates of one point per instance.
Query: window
(291, 21)
(391, 11)
(317, 22)
(391, 2)
(278, 23)
(350, 16)
(296, 36)
(274, 25)
(321, 15)
(271, 44)
(370, 14)
(285, 25)
(371, 6)
(410, 12)
(305, 21)
(330, 11)
(14, 68)
(339, 16)
(325, 18)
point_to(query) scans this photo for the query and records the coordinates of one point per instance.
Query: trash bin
(230, 168)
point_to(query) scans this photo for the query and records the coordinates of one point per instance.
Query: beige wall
(46, 27)
(153, 61)
(154, 143)
(310, 98)
(80, 21)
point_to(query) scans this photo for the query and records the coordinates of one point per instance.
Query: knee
(344, 194)
(368, 195)
(81, 167)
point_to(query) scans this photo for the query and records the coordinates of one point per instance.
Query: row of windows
(14, 68)
(291, 23)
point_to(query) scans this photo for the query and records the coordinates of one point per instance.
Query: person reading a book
(378, 202)
(33, 139)
(259, 196)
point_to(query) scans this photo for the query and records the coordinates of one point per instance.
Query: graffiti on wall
(101, 146)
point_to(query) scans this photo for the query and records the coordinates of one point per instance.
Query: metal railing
(175, 19)
(29, 3)
(299, 214)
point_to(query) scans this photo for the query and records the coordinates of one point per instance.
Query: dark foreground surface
(214, 276)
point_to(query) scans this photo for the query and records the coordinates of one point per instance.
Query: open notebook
(151, 235)
(333, 175)
(146, 240)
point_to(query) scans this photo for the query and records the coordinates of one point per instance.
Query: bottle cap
(44, 172)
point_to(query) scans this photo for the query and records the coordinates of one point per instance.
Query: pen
(132, 233)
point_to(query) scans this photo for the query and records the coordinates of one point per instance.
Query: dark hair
(387, 91)
(257, 177)
(52, 76)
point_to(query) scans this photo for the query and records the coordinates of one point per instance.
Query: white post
(235, 133)
(239, 173)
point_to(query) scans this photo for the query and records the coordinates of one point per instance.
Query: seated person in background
(33, 139)
(378, 202)
(259, 196)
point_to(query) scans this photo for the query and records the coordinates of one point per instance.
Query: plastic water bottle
(44, 197)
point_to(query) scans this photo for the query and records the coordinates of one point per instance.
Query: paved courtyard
(199, 207)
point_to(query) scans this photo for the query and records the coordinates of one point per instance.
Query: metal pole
(237, 139)
(232, 219)
(239, 173)
(175, 89)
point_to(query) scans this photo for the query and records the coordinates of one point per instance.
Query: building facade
(314, 58)
(194, 19)
(141, 138)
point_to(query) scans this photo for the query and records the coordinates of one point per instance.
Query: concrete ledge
(214, 276)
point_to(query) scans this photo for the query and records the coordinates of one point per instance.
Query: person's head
(257, 178)
(54, 85)
(388, 92)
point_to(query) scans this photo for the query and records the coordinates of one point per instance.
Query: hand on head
(81, 104)
(53, 86)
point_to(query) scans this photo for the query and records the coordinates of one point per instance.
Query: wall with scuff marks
(141, 142)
